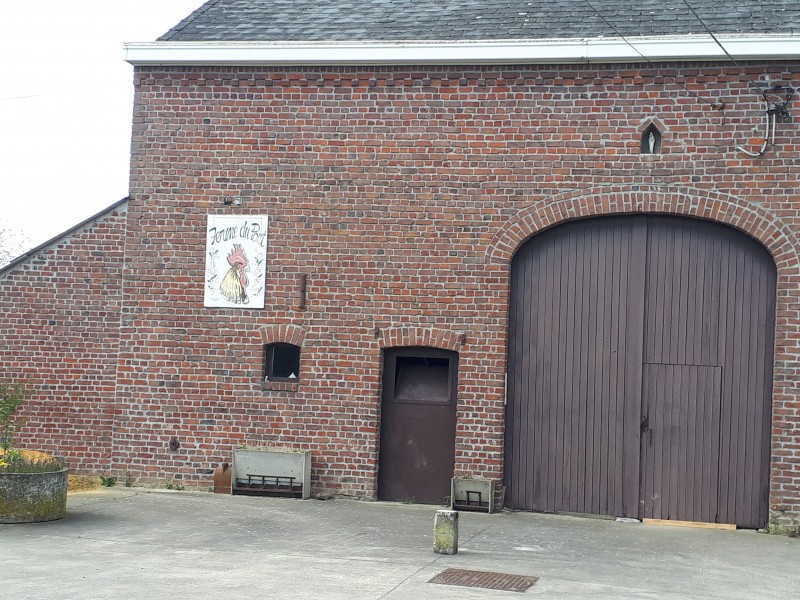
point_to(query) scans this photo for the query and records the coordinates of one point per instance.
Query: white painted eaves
(553, 51)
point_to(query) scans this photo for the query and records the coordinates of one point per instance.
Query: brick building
(550, 244)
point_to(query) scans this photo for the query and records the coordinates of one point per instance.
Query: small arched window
(281, 362)
(651, 140)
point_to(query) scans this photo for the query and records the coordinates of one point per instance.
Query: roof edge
(552, 51)
(43, 246)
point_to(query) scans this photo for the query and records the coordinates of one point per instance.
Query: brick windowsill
(280, 386)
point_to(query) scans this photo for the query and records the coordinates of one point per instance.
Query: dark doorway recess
(640, 371)
(418, 425)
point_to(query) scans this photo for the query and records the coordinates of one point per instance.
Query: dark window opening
(281, 362)
(421, 379)
(651, 140)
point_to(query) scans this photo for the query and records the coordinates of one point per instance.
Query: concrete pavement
(142, 544)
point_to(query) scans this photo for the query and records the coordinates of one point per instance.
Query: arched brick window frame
(748, 217)
(283, 334)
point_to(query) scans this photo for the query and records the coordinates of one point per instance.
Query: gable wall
(60, 327)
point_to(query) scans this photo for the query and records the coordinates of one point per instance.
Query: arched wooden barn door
(640, 371)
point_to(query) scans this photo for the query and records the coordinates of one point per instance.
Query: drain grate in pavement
(485, 579)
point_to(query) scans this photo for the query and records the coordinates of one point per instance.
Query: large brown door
(418, 425)
(640, 354)
(574, 381)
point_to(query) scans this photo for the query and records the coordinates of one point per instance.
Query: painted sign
(236, 261)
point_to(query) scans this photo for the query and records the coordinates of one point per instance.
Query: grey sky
(66, 100)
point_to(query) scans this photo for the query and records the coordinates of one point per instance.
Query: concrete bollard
(445, 532)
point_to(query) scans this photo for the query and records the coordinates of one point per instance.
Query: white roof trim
(567, 51)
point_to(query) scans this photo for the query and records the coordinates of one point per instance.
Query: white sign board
(236, 261)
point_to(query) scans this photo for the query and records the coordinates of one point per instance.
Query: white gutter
(565, 51)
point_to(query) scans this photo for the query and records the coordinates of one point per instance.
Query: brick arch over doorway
(431, 337)
(748, 217)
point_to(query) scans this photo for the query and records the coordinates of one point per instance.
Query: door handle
(646, 429)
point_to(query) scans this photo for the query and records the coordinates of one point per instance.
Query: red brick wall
(402, 194)
(60, 326)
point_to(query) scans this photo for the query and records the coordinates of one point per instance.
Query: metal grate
(264, 485)
(485, 579)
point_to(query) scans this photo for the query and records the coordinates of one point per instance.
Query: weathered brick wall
(60, 326)
(402, 193)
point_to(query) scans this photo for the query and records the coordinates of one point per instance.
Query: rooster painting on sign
(235, 281)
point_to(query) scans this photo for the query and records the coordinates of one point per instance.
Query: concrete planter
(33, 497)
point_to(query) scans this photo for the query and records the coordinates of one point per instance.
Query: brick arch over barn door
(748, 217)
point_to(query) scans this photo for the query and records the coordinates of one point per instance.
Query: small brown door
(418, 425)
(681, 442)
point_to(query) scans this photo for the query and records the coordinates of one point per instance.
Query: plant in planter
(31, 488)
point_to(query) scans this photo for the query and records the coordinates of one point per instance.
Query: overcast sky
(66, 99)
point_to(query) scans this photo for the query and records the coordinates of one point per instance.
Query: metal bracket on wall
(303, 283)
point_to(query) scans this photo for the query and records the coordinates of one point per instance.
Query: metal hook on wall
(767, 119)
(774, 108)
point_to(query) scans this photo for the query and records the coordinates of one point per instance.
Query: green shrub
(12, 395)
